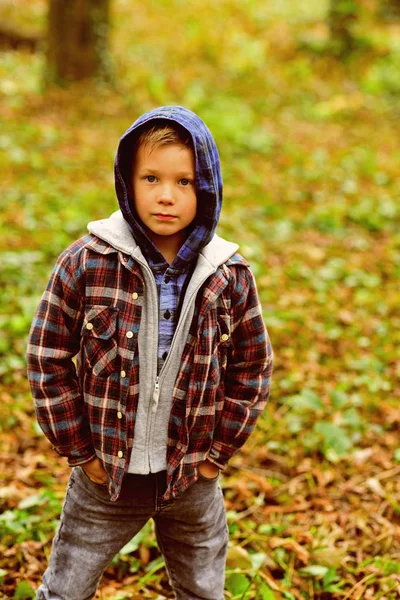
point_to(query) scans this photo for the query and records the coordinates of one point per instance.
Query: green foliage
(34, 518)
(310, 158)
(23, 591)
(389, 567)
(384, 76)
(326, 579)
(334, 437)
(238, 584)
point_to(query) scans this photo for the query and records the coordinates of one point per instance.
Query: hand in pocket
(95, 471)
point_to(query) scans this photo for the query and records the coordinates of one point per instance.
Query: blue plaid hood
(208, 183)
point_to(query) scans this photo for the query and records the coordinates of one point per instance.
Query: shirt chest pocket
(99, 340)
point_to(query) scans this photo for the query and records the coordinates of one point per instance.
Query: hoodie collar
(116, 232)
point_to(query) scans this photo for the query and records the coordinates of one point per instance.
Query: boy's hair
(163, 133)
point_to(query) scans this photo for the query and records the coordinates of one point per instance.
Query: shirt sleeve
(54, 340)
(248, 372)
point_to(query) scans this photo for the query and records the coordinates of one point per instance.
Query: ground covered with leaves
(310, 156)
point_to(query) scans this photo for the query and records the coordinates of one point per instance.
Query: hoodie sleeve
(54, 340)
(248, 372)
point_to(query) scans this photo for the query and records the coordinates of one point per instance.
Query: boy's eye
(185, 182)
(151, 178)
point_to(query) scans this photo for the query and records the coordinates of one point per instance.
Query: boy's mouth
(164, 217)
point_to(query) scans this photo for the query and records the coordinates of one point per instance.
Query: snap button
(224, 337)
(123, 374)
(89, 326)
(129, 334)
(119, 415)
(167, 314)
(120, 454)
(135, 296)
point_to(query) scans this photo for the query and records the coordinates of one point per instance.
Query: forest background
(308, 132)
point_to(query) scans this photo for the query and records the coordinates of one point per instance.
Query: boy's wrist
(80, 461)
(208, 469)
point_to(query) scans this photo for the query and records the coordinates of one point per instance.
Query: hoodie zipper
(156, 388)
(156, 394)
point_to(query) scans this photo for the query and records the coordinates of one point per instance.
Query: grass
(309, 150)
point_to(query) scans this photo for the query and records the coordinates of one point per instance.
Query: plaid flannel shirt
(91, 309)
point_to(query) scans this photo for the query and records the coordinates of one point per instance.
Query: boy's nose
(166, 194)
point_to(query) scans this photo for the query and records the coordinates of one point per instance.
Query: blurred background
(303, 101)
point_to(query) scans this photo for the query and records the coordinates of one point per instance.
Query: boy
(172, 365)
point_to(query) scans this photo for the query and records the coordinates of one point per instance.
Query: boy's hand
(95, 471)
(208, 469)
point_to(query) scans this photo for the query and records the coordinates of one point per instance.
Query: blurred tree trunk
(342, 16)
(77, 40)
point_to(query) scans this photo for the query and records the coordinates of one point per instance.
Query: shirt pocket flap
(100, 322)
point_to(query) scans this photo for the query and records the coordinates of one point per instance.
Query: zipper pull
(156, 394)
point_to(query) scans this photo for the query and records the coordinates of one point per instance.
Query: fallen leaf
(329, 557)
(238, 558)
(375, 486)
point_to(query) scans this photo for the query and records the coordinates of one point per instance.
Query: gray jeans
(191, 533)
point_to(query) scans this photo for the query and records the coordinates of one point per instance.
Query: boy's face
(163, 182)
